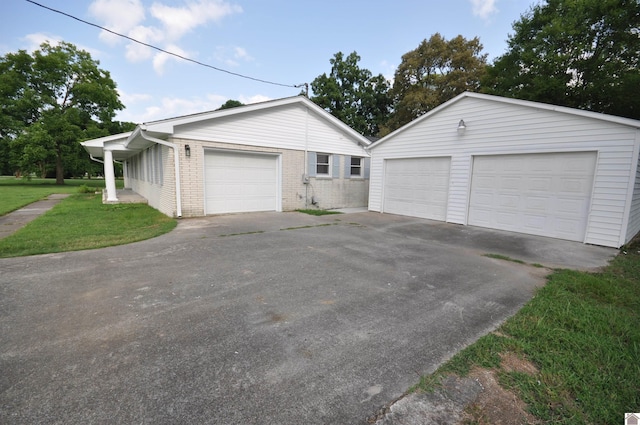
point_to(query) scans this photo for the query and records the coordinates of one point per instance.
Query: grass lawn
(582, 332)
(82, 222)
(16, 193)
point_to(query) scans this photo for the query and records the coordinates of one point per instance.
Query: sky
(286, 42)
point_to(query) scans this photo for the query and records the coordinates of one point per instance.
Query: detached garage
(514, 165)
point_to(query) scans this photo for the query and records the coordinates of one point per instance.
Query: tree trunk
(59, 168)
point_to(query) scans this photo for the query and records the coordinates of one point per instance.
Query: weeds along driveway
(231, 320)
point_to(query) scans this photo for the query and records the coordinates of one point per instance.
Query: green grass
(82, 222)
(504, 257)
(318, 212)
(582, 332)
(16, 193)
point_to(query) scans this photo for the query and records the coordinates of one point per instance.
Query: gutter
(176, 161)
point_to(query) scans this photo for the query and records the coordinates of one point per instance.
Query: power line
(164, 51)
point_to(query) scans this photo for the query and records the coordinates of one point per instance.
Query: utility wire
(165, 51)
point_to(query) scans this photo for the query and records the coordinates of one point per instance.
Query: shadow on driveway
(235, 320)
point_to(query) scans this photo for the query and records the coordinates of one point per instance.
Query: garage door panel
(547, 194)
(240, 182)
(417, 187)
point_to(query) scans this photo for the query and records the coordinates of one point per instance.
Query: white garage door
(540, 194)
(240, 182)
(417, 187)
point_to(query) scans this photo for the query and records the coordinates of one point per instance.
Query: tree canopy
(577, 53)
(230, 104)
(436, 71)
(353, 94)
(51, 100)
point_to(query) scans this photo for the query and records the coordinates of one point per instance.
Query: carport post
(109, 176)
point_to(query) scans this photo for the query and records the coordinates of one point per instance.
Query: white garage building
(514, 165)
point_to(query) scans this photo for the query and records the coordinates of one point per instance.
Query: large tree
(577, 53)
(51, 100)
(353, 94)
(436, 71)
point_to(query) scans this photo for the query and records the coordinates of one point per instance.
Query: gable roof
(544, 106)
(167, 126)
(127, 144)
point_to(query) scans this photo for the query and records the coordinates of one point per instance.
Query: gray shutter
(347, 166)
(336, 166)
(311, 164)
(367, 167)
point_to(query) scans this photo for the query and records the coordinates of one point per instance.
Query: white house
(279, 155)
(514, 165)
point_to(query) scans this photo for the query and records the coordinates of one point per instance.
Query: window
(356, 166)
(322, 163)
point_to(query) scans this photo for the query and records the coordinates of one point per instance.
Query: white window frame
(359, 166)
(328, 164)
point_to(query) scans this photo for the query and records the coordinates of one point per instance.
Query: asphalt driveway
(270, 318)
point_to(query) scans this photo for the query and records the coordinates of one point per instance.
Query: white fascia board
(95, 147)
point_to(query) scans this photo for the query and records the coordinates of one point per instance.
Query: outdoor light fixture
(461, 126)
(187, 150)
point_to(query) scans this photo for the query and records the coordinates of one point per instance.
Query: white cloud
(170, 107)
(34, 40)
(160, 59)
(117, 15)
(232, 56)
(133, 98)
(178, 21)
(136, 52)
(128, 17)
(484, 8)
(253, 99)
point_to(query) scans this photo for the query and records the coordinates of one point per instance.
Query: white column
(109, 176)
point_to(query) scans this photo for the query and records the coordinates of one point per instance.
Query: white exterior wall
(634, 211)
(332, 192)
(160, 196)
(494, 128)
(291, 127)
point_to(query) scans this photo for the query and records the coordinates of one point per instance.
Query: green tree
(230, 104)
(352, 94)
(52, 98)
(436, 71)
(577, 53)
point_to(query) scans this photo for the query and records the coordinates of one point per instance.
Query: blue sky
(283, 41)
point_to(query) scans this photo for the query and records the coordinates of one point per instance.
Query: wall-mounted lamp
(187, 151)
(461, 126)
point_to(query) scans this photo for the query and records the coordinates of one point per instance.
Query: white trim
(630, 190)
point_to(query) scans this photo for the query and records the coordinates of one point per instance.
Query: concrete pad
(13, 221)
(280, 318)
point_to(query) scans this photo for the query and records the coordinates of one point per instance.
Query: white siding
(634, 214)
(286, 127)
(494, 127)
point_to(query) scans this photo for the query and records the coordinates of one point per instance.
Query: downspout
(176, 161)
(305, 177)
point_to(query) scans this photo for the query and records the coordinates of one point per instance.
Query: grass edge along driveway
(580, 332)
(82, 221)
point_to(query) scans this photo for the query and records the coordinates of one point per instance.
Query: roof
(167, 126)
(544, 106)
(126, 144)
